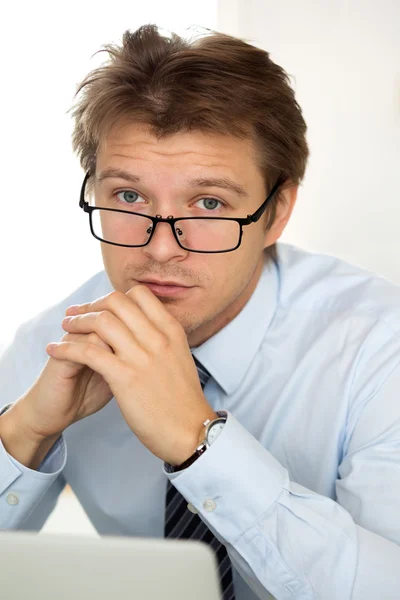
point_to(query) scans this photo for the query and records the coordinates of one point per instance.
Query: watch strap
(5, 408)
(201, 448)
(198, 452)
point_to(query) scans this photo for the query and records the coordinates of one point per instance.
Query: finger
(99, 360)
(141, 310)
(92, 338)
(154, 309)
(108, 327)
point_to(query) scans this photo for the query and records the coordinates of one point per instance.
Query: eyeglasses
(196, 234)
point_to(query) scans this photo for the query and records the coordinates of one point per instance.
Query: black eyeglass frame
(171, 220)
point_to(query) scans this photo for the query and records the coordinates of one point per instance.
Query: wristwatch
(212, 431)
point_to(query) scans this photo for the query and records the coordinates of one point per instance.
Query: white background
(343, 56)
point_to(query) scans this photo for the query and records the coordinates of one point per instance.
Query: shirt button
(209, 505)
(13, 499)
(192, 508)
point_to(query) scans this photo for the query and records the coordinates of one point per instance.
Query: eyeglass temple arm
(255, 216)
(82, 203)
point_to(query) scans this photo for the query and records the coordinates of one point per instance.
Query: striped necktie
(183, 524)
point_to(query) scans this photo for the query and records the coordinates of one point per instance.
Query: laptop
(68, 567)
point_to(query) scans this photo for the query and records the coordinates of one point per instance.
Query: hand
(151, 372)
(64, 393)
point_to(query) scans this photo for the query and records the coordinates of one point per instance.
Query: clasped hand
(151, 371)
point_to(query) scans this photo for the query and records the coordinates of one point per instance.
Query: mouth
(166, 290)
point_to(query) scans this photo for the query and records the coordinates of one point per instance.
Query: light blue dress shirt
(305, 476)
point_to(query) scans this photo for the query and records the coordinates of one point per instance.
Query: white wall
(46, 248)
(345, 59)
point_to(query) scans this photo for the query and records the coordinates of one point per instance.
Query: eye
(127, 197)
(209, 203)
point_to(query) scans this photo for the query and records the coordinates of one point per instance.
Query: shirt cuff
(54, 461)
(233, 483)
(50, 467)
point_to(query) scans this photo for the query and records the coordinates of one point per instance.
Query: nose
(163, 245)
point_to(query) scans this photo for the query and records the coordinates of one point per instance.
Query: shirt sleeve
(22, 489)
(27, 496)
(286, 539)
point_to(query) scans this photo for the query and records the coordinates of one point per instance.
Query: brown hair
(215, 83)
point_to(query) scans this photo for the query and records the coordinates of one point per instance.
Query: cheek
(230, 273)
(115, 259)
(240, 269)
(253, 238)
(117, 256)
(110, 256)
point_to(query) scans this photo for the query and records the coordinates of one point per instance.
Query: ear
(284, 209)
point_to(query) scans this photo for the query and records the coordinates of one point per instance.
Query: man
(214, 383)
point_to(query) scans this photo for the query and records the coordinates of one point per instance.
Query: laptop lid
(67, 567)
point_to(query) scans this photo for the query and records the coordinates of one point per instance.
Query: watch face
(214, 432)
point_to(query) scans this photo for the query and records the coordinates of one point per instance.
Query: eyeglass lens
(204, 234)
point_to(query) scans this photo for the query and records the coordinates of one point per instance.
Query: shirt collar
(228, 354)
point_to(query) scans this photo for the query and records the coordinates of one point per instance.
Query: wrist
(193, 439)
(203, 441)
(20, 442)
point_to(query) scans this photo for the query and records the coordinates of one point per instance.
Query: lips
(165, 283)
(168, 290)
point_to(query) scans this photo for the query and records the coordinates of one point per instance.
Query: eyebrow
(220, 182)
(117, 173)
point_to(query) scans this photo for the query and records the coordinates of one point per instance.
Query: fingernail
(71, 310)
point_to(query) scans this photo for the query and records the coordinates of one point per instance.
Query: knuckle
(96, 340)
(114, 298)
(144, 360)
(162, 343)
(93, 338)
(103, 317)
(88, 350)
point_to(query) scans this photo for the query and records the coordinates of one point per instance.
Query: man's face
(221, 283)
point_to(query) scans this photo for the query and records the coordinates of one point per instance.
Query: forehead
(193, 149)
